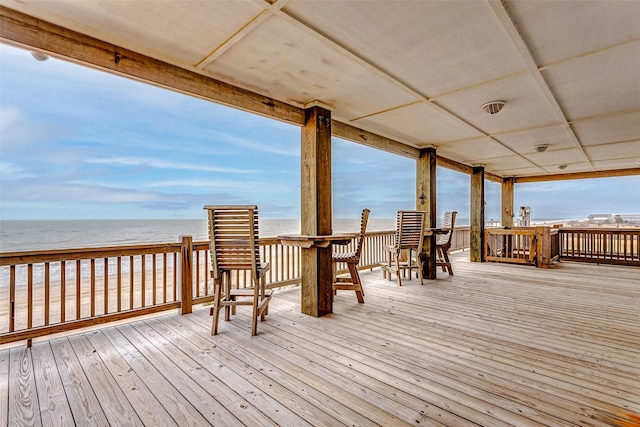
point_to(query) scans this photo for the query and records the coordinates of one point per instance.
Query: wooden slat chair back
(234, 246)
(410, 227)
(352, 259)
(443, 244)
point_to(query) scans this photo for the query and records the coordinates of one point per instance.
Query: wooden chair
(443, 244)
(233, 240)
(410, 226)
(352, 259)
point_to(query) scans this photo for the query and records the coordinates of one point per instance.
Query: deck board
(54, 406)
(496, 344)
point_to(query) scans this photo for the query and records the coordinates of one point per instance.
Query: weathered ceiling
(416, 72)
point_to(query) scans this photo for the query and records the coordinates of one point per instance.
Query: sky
(78, 143)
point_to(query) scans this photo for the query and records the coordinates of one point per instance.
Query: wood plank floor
(494, 345)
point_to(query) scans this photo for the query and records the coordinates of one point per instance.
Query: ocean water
(65, 234)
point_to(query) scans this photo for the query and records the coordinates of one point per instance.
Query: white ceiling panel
(556, 30)
(554, 157)
(523, 142)
(624, 127)
(522, 171)
(420, 124)
(622, 150)
(170, 32)
(511, 162)
(618, 164)
(430, 46)
(473, 150)
(608, 82)
(525, 106)
(278, 60)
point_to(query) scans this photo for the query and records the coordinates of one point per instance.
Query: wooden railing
(537, 246)
(601, 245)
(46, 292)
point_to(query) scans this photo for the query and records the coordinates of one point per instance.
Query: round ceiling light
(562, 167)
(540, 147)
(39, 56)
(493, 107)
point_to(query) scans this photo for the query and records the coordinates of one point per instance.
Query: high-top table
(317, 278)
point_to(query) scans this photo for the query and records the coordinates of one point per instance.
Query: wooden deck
(494, 345)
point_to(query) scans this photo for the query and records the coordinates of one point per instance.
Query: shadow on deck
(497, 345)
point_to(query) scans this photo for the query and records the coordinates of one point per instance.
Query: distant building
(630, 217)
(601, 217)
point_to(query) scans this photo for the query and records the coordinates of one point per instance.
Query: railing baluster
(153, 275)
(164, 277)
(63, 293)
(105, 269)
(29, 296)
(197, 273)
(12, 298)
(143, 290)
(119, 284)
(131, 282)
(78, 288)
(175, 276)
(93, 287)
(46, 293)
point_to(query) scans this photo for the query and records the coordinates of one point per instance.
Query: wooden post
(426, 201)
(316, 292)
(507, 203)
(477, 215)
(543, 247)
(186, 275)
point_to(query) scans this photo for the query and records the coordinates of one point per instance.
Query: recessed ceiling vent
(493, 107)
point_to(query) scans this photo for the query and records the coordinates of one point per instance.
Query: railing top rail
(600, 230)
(31, 257)
(511, 231)
(74, 254)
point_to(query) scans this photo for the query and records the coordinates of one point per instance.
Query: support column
(316, 216)
(477, 215)
(507, 202)
(426, 201)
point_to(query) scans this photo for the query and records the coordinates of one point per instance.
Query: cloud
(164, 164)
(9, 171)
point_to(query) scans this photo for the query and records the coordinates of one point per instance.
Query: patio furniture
(443, 244)
(352, 259)
(233, 237)
(402, 255)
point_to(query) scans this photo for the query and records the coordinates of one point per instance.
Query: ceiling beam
(361, 136)
(578, 175)
(466, 169)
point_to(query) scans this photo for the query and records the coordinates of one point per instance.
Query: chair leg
(216, 305)
(254, 317)
(226, 285)
(398, 269)
(355, 279)
(419, 262)
(263, 294)
(446, 258)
